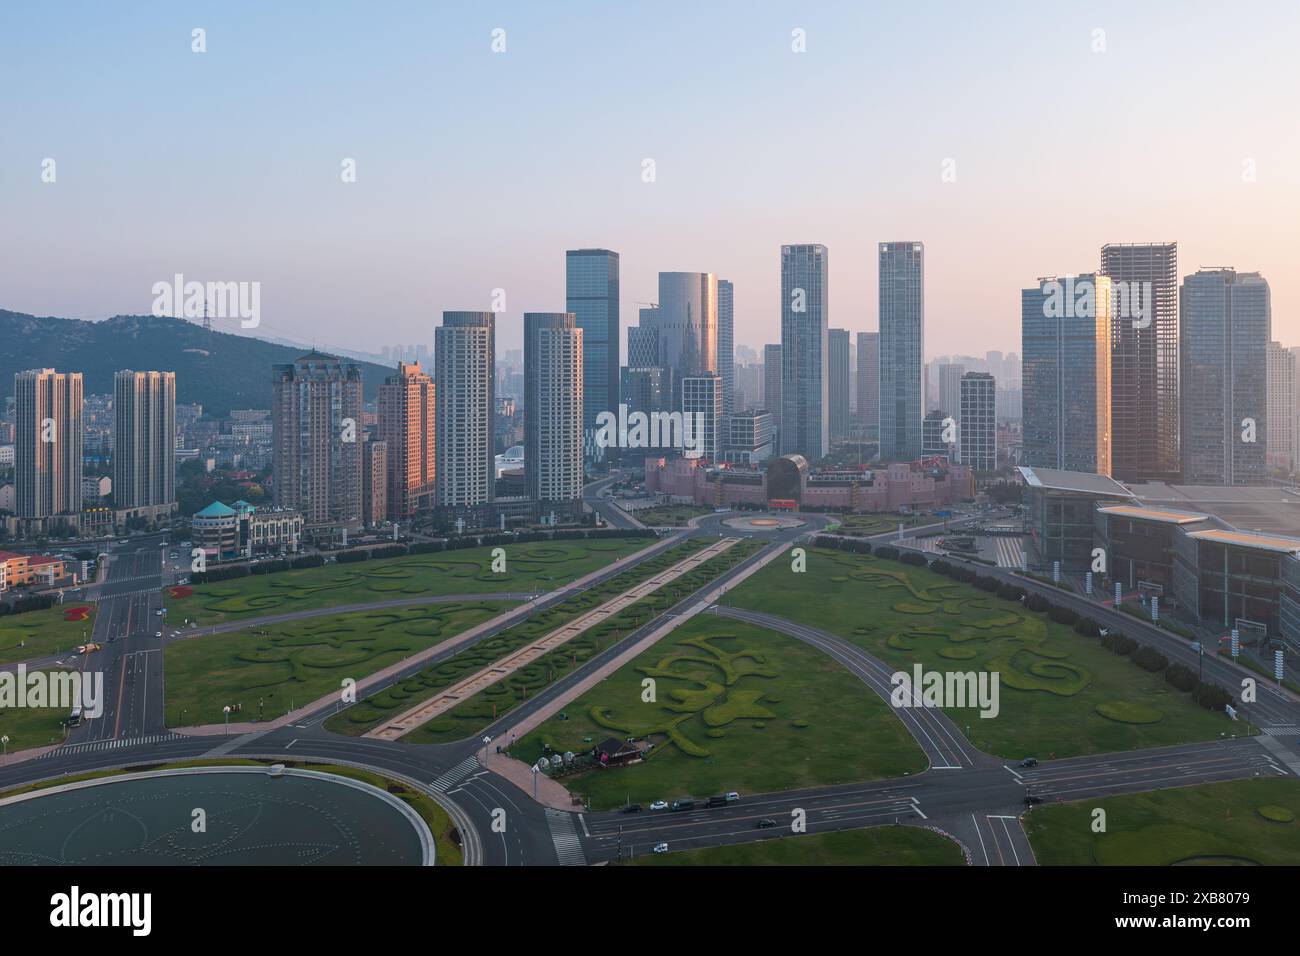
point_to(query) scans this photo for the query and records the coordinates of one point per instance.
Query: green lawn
(289, 665)
(38, 633)
(476, 713)
(877, 846)
(1240, 823)
(28, 727)
(537, 566)
(388, 703)
(670, 516)
(1055, 685)
(737, 707)
(864, 525)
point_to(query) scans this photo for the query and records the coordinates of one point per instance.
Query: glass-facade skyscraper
(726, 345)
(1225, 322)
(837, 352)
(805, 381)
(902, 342)
(591, 294)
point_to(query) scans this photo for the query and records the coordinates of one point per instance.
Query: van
(686, 803)
(74, 719)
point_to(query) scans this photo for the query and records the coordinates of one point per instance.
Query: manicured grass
(289, 665)
(388, 703)
(864, 525)
(448, 851)
(28, 727)
(536, 566)
(485, 707)
(737, 707)
(877, 846)
(670, 516)
(39, 633)
(1239, 823)
(1052, 680)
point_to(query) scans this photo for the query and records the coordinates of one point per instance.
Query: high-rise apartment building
(553, 402)
(591, 295)
(977, 435)
(47, 443)
(1226, 322)
(1281, 408)
(805, 379)
(772, 366)
(868, 412)
(902, 343)
(317, 433)
(726, 344)
(464, 358)
(408, 431)
(837, 392)
(1066, 374)
(1144, 359)
(144, 439)
(375, 456)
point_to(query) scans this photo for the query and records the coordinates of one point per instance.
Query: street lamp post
(486, 740)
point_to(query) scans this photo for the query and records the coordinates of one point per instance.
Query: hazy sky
(476, 170)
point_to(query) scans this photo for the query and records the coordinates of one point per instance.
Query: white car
(661, 848)
(659, 805)
(159, 634)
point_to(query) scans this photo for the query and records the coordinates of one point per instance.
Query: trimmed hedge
(32, 602)
(1149, 659)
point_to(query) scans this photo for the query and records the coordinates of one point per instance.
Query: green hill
(220, 372)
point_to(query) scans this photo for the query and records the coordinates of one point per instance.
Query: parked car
(661, 848)
(732, 796)
(766, 823)
(632, 808)
(659, 805)
(686, 803)
(718, 801)
(1029, 762)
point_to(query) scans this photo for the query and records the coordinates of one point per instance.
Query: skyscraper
(687, 322)
(1144, 359)
(47, 440)
(317, 436)
(902, 343)
(408, 431)
(950, 375)
(805, 384)
(726, 345)
(1067, 387)
(374, 482)
(772, 370)
(837, 356)
(144, 439)
(977, 437)
(1226, 321)
(869, 384)
(1281, 407)
(464, 358)
(591, 294)
(553, 403)
(702, 401)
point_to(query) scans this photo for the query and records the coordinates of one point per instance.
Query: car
(1032, 800)
(87, 648)
(686, 803)
(632, 808)
(661, 848)
(765, 824)
(1029, 762)
(718, 801)
(659, 805)
(158, 612)
(732, 796)
(159, 634)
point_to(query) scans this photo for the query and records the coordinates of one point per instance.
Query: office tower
(1066, 361)
(408, 430)
(747, 437)
(805, 380)
(869, 384)
(687, 323)
(726, 345)
(553, 403)
(837, 391)
(464, 355)
(702, 404)
(317, 436)
(591, 295)
(644, 390)
(47, 443)
(772, 366)
(950, 375)
(902, 340)
(643, 343)
(1281, 407)
(933, 439)
(1225, 319)
(375, 456)
(144, 439)
(1144, 359)
(977, 436)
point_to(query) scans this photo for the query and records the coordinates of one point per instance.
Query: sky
(1059, 126)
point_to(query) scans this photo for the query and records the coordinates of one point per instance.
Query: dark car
(766, 823)
(1029, 762)
(718, 801)
(1031, 800)
(684, 804)
(632, 808)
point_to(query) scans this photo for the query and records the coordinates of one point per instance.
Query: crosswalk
(455, 775)
(1282, 730)
(121, 594)
(110, 744)
(568, 848)
(1008, 550)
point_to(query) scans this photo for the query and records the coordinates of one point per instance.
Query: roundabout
(764, 522)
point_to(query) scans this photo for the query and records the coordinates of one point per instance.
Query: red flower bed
(76, 614)
(181, 591)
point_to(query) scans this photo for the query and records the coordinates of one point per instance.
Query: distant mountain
(219, 372)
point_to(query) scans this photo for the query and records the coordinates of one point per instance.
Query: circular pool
(213, 816)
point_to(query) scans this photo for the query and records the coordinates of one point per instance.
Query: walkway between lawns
(423, 712)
